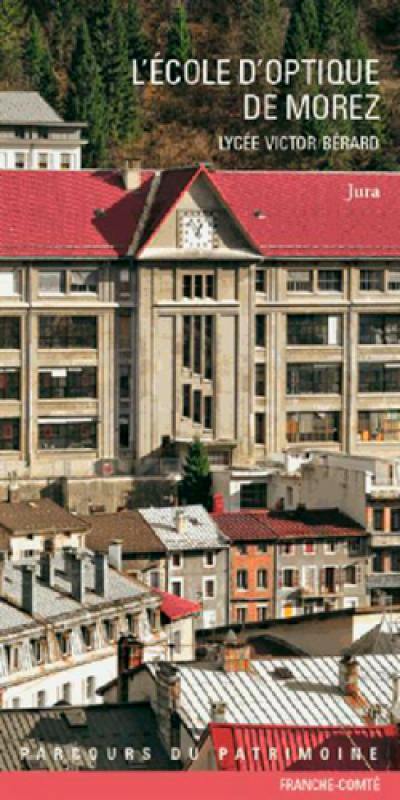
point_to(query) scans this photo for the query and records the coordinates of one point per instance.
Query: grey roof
(12, 618)
(383, 639)
(98, 727)
(311, 697)
(200, 532)
(26, 107)
(54, 602)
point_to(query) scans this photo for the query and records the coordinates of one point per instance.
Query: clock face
(197, 230)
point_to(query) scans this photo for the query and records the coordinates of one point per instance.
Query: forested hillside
(77, 53)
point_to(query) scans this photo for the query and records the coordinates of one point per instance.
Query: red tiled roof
(318, 523)
(176, 607)
(60, 214)
(279, 747)
(173, 183)
(306, 213)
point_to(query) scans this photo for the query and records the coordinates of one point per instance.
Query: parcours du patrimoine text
(325, 88)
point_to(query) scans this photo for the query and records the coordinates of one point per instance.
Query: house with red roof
(177, 619)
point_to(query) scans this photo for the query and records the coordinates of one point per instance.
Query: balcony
(383, 581)
(385, 539)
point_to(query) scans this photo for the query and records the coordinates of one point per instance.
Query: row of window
(198, 339)
(242, 579)
(327, 329)
(261, 613)
(209, 587)
(325, 579)
(197, 406)
(331, 280)
(66, 160)
(209, 559)
(76, 434)
(324, 426)
(352, 546)
(64, 694)
(378, 519)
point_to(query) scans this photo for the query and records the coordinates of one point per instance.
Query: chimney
(69, 553)
(78, 570)
(235, 656)
(3, 561)
(130, 656)
(115, 554)
(168, 702)
(180, 521)
(101, 574)
(395, 710)
(218, 712)
(14, 494)
(29, 589)
(47, 568)
(218, 503)
(349, 676)
(131, 174)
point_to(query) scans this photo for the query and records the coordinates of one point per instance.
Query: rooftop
(274, 754)
(276, 525)
(26, 107)
(129, 526)
(174, 607)
(199, 530)
(38, 516)
(383, 639)
(87, 728)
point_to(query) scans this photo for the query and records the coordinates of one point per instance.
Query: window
(67, 693)
(319, 426)
(260, 330)
(290, 578)
(198, 343)
(198, 286)
(259, 428)
(314, 329)
(16, 702)
(64, 643)
(155, 581)
(379, 377)
(65, 161)
(241, 549)
(253, 495)
(313, 379)
(209, 588)
(124, 282)
(197, 406)
(41, 699)
(124, 432)
(262, 547)
(176, 560)
(9, 333)
(309, 548)
(330, 547)
(241, 615)
(309, 578)
(330, 280)
(262, 579)
(124, 382)
(84, 281)
(261, 280)
(51, 281)
(9, 383)
(68, 382)
(43, 161)
(124, 331)
(176, 587)
(177, 643)
(377, 329)
(378, 564)
(209, 558)
(242, 579)
(262, 613)
(65, 332)
(286, 549)
(394, 279)
(186, 400)
(394, 561)
(378, 520)
(67, 434)
(20, 160)
(208, 412)
(9, 434)
(354, 546)
(90, 688)
(371, 280)
(88, 636)
(299, 280)
(260, 380)
(395, 519)
(350, 575)
(379, 426)
(10, 283)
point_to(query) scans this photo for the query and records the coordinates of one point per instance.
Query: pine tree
(11, 22)
(85, 100)
(121, 92)
(138, 45)
(338, 25)
(195, 488)
(179, 43)
(38, 63)
(261, 22)
(303, 34)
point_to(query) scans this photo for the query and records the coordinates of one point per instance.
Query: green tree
(138, 45)
(122, 99)
(11, 22)
(38, 63)
(85, 99)
(195, 487)
(179, 42)
(261, 22)
(303, 33)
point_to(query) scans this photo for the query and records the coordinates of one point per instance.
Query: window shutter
(358, 573)
(280, 578)
(322, 579)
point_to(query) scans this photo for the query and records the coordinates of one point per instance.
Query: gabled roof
(38, 516)
(172, 185)
(61, 214)
(277, 748)
(26, 107)
(200, 531)
(99, 727)
(135, 533)
(174, 607)
(294, 214)
(276, 525)
(243, 526)
(383, 639)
